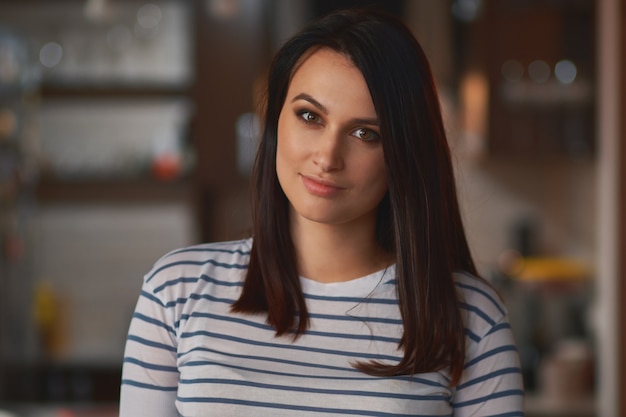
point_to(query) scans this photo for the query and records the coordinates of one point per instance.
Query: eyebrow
(310, 99)
(323, 109)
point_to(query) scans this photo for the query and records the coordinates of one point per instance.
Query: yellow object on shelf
(49, 318)
(537, 269)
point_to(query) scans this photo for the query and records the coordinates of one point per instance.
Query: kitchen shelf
(113, 90)
(116, 191)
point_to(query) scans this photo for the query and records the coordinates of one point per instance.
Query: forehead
(331, 81)
(332, 71)
(334, 81)
(322, 56)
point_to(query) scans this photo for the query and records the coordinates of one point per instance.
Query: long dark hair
(418, 220)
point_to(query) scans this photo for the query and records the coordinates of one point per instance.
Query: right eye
(309, 117)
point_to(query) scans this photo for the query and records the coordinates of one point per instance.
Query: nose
(328, 155)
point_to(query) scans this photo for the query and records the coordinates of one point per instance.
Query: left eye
(365, 135)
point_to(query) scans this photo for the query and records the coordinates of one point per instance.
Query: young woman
(357, 293)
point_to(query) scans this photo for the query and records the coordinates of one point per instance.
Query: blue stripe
(150, 343)
(209, 297)
(262, 326)
(361, 376)
(296, 388)
(202, 277)
(156, 322)
(500, 326)
(476, 338)
(268, 372)
(202, 249)
(176, 281)
(148, 386)
(370, 336)
(229, 319)
(151, 298)
(356, 318)
(194, 296)
(208, 261)
(490, 397)
(152, 366)
(493, 352)
(298, 407)
(479, 312)
(355, 355)
(472, 335)
(313, 315)
(483, 292)
(277, 360)
(483, 378)
(358, 300)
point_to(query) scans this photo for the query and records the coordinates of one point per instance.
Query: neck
(336, 253)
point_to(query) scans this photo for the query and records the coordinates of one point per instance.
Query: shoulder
(482, 306)
(219, 261)
(491, 377)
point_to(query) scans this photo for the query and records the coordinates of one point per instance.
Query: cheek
(381, 185)
(289, 148)
(379, 180)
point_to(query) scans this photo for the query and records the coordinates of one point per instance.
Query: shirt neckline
(361, 286)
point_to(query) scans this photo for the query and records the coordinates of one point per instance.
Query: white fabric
(188, 355)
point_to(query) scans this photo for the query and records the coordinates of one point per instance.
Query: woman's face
(329, 159)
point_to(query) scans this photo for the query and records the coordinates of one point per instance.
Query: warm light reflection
(223, 9)
(474, 93)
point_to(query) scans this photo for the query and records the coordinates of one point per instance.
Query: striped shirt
(188, 355)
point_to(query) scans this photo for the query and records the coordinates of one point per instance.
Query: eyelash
(375, 136)
(305, 114)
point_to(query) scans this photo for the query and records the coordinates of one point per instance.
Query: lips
(321, 187)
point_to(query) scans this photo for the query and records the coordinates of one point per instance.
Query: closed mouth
(320, 187)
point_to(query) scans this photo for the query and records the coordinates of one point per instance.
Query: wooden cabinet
(538, 62)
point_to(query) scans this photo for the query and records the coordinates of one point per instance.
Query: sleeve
(491, 384)
(149, 372)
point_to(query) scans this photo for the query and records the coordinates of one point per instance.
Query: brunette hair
(418, 220)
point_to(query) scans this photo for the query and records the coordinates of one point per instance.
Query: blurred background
(128, 128)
